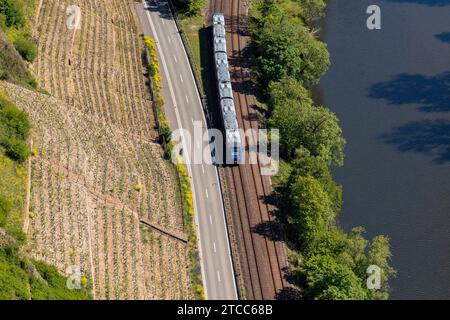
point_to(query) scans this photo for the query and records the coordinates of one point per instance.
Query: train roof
(223, 74)
(225, 90)
(219, 31)
(220, 56)
(218, 18)
(220, 44)
(229, 114)
(233, 137)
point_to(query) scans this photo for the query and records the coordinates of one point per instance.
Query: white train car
(233, 141)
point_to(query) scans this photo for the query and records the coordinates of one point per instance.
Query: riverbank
(288, 60)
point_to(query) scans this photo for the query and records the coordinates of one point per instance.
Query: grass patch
(12, 195)
(23, 279)
(191, 27)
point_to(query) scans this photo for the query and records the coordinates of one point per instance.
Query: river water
(391, 91)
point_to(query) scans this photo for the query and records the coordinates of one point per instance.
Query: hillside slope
(98, 68)
(12, 67)
(91, 186)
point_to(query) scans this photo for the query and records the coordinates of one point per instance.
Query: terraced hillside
(91, 186)
(102, 196)
(98, 68)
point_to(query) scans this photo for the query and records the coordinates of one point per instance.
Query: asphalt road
(183, 108)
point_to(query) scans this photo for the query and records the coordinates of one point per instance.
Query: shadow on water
(430, 3)
(444, 37)
(427, 137)
(432, 94)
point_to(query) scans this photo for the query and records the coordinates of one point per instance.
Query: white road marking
(181, 77)
(168, 38)
(218, 276)
(175, 58)
(206, 190)
(187, 99)
(214, 245)
(186, 59)
(210, 219)
(177, 114)
(203, 169)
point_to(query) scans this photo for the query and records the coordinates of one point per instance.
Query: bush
(13, 13)
(16, 150)
(5, 207)
(195, 6)
(14, 121)
(26, 48)
(14, 131)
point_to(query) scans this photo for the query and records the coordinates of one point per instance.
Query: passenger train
(233, 143)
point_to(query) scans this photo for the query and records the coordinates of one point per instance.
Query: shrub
(5, 207)
(14, 122)
(14, 130)
(13, 13)
(26, 48)
(84, 281)
(16, 149)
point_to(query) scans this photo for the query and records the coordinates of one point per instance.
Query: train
(233, 142)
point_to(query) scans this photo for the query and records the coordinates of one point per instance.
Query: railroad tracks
(262, 258)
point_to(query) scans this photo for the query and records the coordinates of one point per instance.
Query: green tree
(284, 48)
(286, 89)
(356, 253)
(13, 12)
(191, 7)
(326, 279)
(26, 48)
(379, 254)
(310, 213)
(304, 164)
(315, 128)
(14, 130)
(16, 149)
(312, 9)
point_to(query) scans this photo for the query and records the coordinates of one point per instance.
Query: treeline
(287, 59)
(14, 22)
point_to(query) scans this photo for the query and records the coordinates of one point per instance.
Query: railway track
(262, 258)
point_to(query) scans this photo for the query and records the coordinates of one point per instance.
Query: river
(390, 89)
